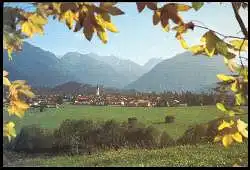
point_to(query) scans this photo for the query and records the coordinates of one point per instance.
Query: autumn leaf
(156, 17)
(88, 29)
(221, 107)
(225, 124)
(169, 11)
(105, 24)
(17, 108)
(33, 24)
(68, 17)
(223, 77)
(196, 49)
(107, 4)
(242, 128)
(217, 138)
(237, 137)
(6, 81)
(227, 140)
(88, 32)
(183, 28)
(141, 6)
(234, 86)
(240, 99)
(231, 113)
(222, 48)
(210, 40)
(183, 42)
(183, 7)
(103, 36)
(238, 43)
(67, 6)
(9, 130)
(114, 10)
(152, 5)
(197, 5)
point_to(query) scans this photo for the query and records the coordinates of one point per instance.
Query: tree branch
(238, 18)
(224, 36)
(239, 54)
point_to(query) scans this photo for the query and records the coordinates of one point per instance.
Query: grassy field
(179, 156)
(184, 116)
(202, 155)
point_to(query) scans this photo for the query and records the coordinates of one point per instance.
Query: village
(98, 99)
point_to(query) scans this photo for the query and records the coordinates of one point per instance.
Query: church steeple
(97, 90)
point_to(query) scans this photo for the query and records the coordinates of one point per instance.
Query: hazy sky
(138, 40)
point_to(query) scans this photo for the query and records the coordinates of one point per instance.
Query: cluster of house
(119, 100)
(49, 101)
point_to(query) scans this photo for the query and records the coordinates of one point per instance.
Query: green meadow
(201, 155)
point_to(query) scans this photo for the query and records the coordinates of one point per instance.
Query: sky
(138, 39)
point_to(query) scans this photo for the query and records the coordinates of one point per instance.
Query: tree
(19, 24)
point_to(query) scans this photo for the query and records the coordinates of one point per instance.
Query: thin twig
(224, 36)
(239, 54)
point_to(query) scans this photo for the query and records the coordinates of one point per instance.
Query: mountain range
(182, 72)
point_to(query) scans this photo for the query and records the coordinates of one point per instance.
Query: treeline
(87, 137)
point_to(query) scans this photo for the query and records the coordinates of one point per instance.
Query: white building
(97, 91)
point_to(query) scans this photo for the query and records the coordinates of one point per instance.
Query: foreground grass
(191, 156)
(184, 116)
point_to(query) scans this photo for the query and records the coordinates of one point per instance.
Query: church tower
(97, 90)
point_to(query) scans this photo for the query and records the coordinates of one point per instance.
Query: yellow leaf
(237, 137)
(227, 140)
(225, 125)
(196, 49)
(6, 81)
(105, 24)
(225, 60)
(234, 86)
(183, 43)
(166, 28)
(111, 27)
(237, 44)
(231, 113)
(210, 40)
(221, 107)
(103, 36)
(37, 19)
(223, 77)
(8, 130)
(244, 133)
(27, 93)
(217, 138)
(241, 126)
(21, 105)
(182, 7)
(17, 108)
(210, 53)
(27, 29)
(240, 99)
(10, 50)
(68, 16)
